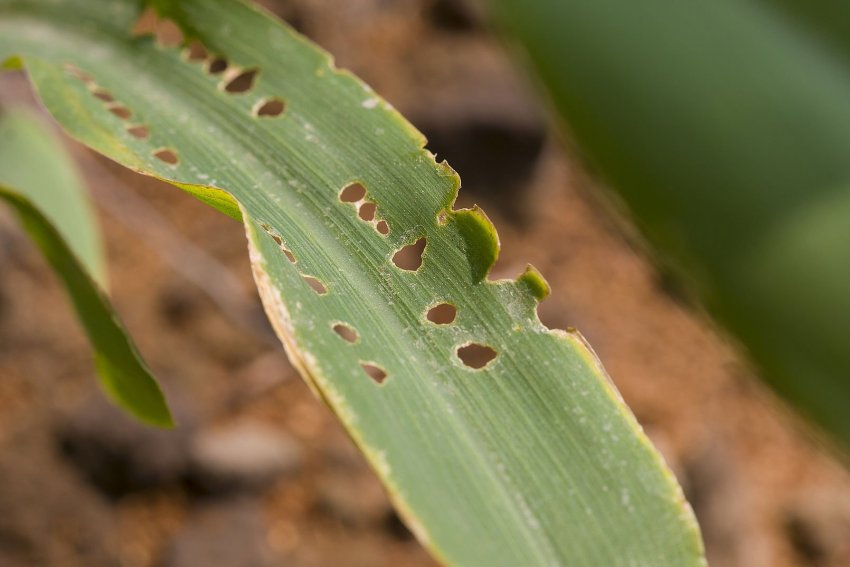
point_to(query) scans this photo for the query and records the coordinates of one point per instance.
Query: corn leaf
(40, 184)
(724, 127)
(500, 441)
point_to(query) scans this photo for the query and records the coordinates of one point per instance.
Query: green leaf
(34, 161)
(532, 459)
(724, 127)
(42, 187)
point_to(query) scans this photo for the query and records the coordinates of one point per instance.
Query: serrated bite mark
(476, 355)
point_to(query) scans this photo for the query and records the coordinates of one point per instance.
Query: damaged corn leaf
(39, 183)
(500, 442)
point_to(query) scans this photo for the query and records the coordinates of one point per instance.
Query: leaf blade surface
(531, 460)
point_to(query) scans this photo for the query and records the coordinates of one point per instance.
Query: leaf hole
(279, 241)
(315, 284)
(103, 96)
(442, 314)
(410, 257)
(270, 107)
(146, 24)
(476, 356)
(367, 211)
(78, 73)
(347, 333)
(374, 372)
(167, 155)
(168, 34)
(352, 193)
(121, 111)
(217, 65)
(196, 51)
(138, 131)
(242, 83)
(382, 227)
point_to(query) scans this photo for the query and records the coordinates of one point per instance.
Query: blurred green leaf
(724, 126)
(33, 160)
(42, 187)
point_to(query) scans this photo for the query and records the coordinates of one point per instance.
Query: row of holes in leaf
(346, 332)
(314, 282)
(140, 131)
(235, 80)
(356, 195)
(238, 81)
(473, 355)
(409, 258)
